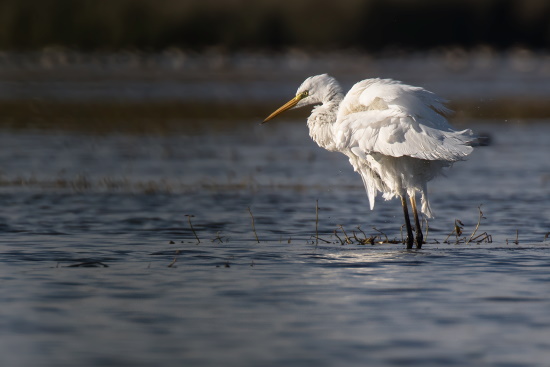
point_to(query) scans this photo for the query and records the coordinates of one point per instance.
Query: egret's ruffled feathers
(395, 135)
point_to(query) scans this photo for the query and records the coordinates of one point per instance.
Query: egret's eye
(304, 94)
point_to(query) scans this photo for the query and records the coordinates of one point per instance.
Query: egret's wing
(394, 119)
(398, 134)
(414, 101)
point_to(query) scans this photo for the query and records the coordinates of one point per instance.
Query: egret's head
(314, 90)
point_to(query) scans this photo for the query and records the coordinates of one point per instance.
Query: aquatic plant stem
(379, 231)
(173, 263)
(348, 240)
(339, 239)
(253, 225)
(457, 231)
(192, 229)
(477, 226)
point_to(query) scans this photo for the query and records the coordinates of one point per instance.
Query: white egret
(395, 135)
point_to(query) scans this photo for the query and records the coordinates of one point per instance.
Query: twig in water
(218, 237)
(171, 265)
(192, 229)
(360, 230)
(516, 241)
(457, 230)
(546, 236)
(379, 231)
(339, 239)
(348, 240)
(483, 237)
(364, 241)
(517, 237)
(322, 239)
(478, 223)
(253, 225)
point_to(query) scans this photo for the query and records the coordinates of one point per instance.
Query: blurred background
(269, 25)
(233, 59)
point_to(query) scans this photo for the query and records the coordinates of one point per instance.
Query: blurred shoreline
(54, 86)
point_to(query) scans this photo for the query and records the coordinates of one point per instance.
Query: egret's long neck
(321, 119)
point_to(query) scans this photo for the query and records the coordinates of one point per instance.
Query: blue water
(99, 265)
(273, 304)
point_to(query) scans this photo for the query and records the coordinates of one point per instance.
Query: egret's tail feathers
(479, 141)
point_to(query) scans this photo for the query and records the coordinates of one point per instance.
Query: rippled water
(99, 265)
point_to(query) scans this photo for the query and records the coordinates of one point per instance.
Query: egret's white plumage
(395, 135)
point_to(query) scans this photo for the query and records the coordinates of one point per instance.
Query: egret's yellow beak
(287, 106)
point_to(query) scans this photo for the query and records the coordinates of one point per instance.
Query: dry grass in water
(458, 231)
(357, 236)
(253, 225)
(192, 229)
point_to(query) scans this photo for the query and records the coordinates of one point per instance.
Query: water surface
(91, 223)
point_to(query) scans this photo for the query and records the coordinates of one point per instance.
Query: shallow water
(91, 223)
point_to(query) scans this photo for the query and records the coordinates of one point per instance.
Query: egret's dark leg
(419, 236)
(410, 239)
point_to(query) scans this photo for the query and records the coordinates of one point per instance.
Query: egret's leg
(410, 239)
(419, 236)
